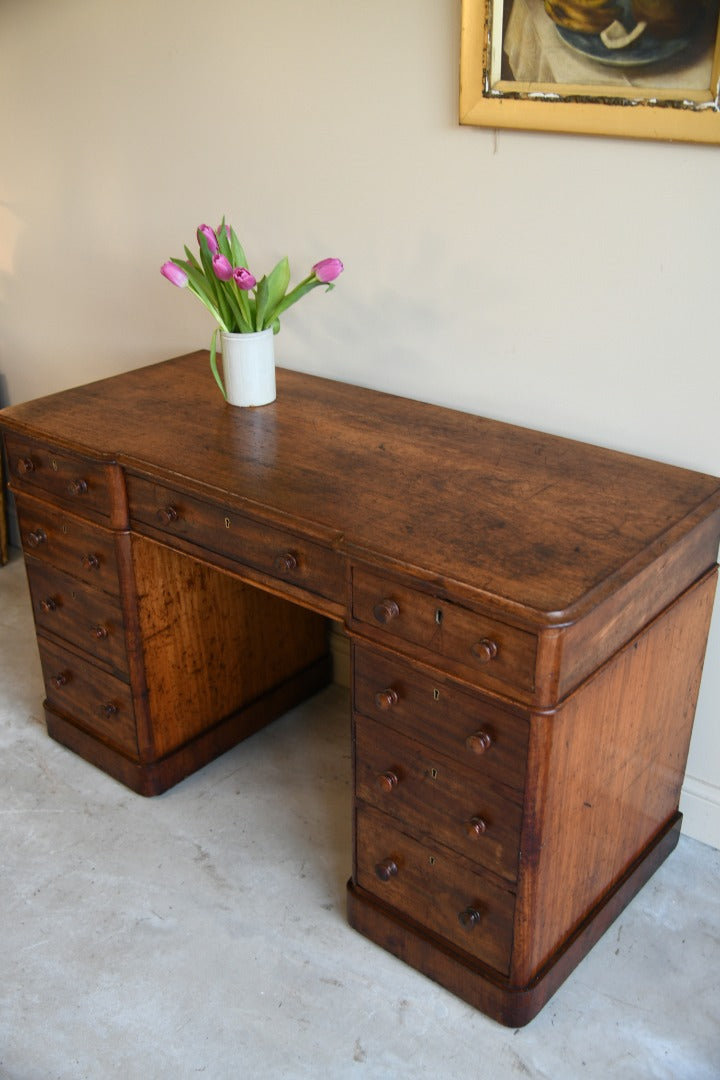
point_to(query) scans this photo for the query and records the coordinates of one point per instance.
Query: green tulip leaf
(213, 363)
(278, 281)
(238, 255)
(261, 299)
(223, 242)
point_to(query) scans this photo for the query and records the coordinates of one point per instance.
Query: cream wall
(562, 282)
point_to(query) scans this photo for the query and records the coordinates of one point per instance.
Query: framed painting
(629, 68)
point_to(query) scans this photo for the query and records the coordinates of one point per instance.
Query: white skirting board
(700, 806)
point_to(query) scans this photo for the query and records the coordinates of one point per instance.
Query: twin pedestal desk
(527, 616)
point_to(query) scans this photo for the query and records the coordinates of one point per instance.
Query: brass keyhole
(431, 860)
(227, 523)
(436, 695)
(54, 465)
(433, 774)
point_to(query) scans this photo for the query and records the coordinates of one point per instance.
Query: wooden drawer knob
(285, 563)
(48, 604)
(484, 650)
(90, 562)
(77, 487)
(37, 537)
(387, 782)
(470, 918)
(24, 466)
(386, 699)
(108, 709)
(60, 679)
(386, 869)
(476, 827)
(99, 632)
(478, 742)
(386, 610)
(166, 515)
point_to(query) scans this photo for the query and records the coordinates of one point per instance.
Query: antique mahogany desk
(527, 616)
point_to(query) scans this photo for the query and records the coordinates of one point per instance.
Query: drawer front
(485, 647)
(274, 552)
(41, 470)
(483, 737)
(426, 883)
(72, 610)
(88, 695)
(434, 797)
(79, 547)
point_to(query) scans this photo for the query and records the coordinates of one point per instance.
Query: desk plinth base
(480, 986)
(155, 776)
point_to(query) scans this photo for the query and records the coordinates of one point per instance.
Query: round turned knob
(386, 610)
(48, 604)
(108, 708)
(387, 781)
(469, 918)
(386, 699)
(484, 650)
(99, 632)
(37, 537)
(167, 514)
(77, 487)
(285, 563)
(60, 679)
(90, 561)
(479, 742)
(386, 869)
(24, 466)
(475, 827)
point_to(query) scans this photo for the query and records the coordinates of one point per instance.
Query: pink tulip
(175, 274)
(210, 236)
(222, 267)
(243, 278)
(327, 270)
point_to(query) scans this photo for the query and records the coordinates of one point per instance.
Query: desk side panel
(604, 776)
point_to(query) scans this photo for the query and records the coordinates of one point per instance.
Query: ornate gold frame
(486, 101)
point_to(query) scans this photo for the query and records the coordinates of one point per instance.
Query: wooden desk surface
(539, 525)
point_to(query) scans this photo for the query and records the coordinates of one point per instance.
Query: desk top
(541, 526)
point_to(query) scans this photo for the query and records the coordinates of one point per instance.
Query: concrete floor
(204, 933)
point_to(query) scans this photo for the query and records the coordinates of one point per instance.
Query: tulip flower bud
(174, 274)
(210, 236)
(243, 278)
(222, 267)
(327, 270)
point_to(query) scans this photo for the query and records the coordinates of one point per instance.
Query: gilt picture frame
(524, 64)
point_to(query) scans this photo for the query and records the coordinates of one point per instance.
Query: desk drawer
(279, 554)
(485, 647)
(88, 695)
(82, 615)
(435, 797)
(426, 883)
(79, 547)
(43, 470)
(436, 712)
